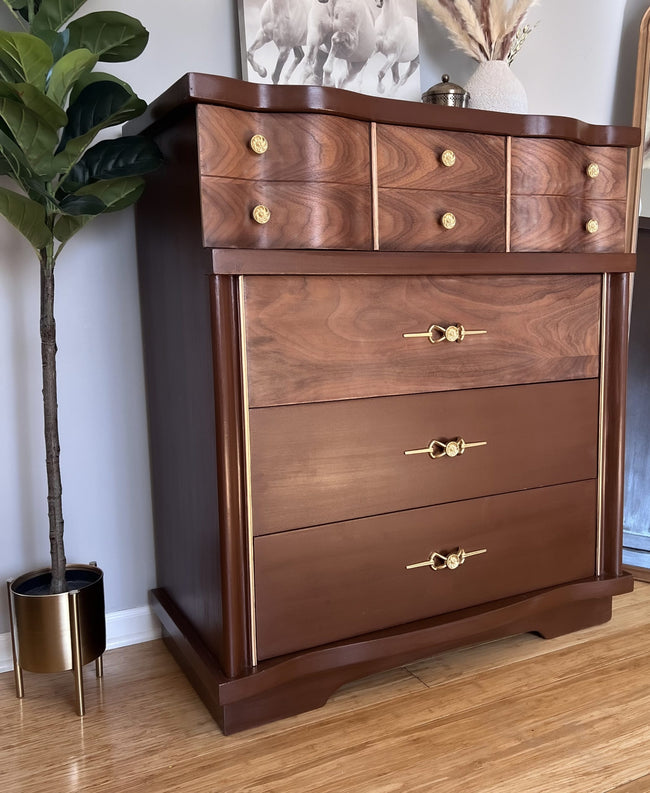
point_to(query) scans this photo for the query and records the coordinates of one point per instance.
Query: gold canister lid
(446, 93)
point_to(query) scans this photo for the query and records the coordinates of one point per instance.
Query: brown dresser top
(196, 88)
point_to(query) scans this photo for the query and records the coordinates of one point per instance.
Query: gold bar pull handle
(438, 333)
(451, 561)
(453, 448)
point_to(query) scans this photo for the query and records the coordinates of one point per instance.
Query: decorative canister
(446, 93)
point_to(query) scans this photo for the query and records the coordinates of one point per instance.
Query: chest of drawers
(385, 348)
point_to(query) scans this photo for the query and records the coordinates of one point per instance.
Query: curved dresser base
(303, 681)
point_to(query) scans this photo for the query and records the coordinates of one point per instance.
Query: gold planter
(53, 633)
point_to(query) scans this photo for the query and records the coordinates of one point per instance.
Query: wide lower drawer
(294, 214)
(320, 585)
(313, 464)
(326, 338)
(430, 220)
(561, 223)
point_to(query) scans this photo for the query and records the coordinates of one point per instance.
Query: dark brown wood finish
(558, 223)
(412, 220)
(303, 215)
(314, 339)
(613, 419)
(240, 262)
(338, 393)
(346, 459)
(331, 582)
(555, 167)
(412, 158)
(196, 88)
(301, 147)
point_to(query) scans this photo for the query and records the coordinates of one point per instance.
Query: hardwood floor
(521, 715)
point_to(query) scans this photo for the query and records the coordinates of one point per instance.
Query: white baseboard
(122, 628)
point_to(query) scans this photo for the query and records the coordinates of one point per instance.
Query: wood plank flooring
(521, 715)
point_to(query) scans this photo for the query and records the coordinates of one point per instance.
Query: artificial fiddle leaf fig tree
(53, 104)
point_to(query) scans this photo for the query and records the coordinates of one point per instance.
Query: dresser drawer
(428, 159)
(428, 220)
(559, 223)
(302, 215)
(299, 147)
(327, 583)
(561, 167)
(328, 338)
(326, 462)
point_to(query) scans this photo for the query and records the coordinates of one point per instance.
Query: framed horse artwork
(369, 46)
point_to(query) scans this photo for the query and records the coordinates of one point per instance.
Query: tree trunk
(51, 423)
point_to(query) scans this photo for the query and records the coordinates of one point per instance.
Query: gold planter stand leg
(18, 672)
(77, 664)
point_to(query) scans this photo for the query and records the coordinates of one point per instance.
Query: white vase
(494, 86)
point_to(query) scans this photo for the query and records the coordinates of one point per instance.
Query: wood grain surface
(301, 147)
(320, 585)
(303, 214)
(557, 223)
(325, 338)
(411, 220)
(410, 157)
(559, 167)
(332, 461)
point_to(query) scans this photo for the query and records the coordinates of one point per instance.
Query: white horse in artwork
(352, 38)
(397, 39)
(284, 22)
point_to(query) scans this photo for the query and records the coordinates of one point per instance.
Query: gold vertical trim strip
(508, 189)
(601, 426)
(373, 186)
(247, 462)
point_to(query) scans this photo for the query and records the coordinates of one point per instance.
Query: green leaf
(37, 139)
(111, 35)
(98, 106)
(82, 205)
(52, 14)
(67, 71)
(112, 159)
(116, 194)
(27, 216)
(57, 42)
(47, 110)
(24, 59)
(96, 77)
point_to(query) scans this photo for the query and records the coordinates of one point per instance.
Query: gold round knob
(591, 226)
(452, 449)
(261, 214)
(259, 144)
(448, 220)
(593, 170)
(448, 158)
(453, 561)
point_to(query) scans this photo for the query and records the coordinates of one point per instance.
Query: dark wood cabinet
(385, 347)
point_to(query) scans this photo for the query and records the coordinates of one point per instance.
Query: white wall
(572, 64)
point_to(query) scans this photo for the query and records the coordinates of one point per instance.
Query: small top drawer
(436, 160)
(296, 147)
(561, 167)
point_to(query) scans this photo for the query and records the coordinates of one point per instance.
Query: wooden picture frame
(369, 46)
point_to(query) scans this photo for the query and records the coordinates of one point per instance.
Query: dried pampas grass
(485, 30)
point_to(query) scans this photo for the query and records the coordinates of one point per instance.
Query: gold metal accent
(448, 220)
(374, 186)
(448, 158)
(601, 424)
(451, 561)
(259, 144)
(591, 225)
(247, 464)
(77, 663)
(261, 214)
(18, 672)
(452, 448)
(438, 333)
(593, 170)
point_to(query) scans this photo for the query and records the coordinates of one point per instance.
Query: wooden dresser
(385, 349)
